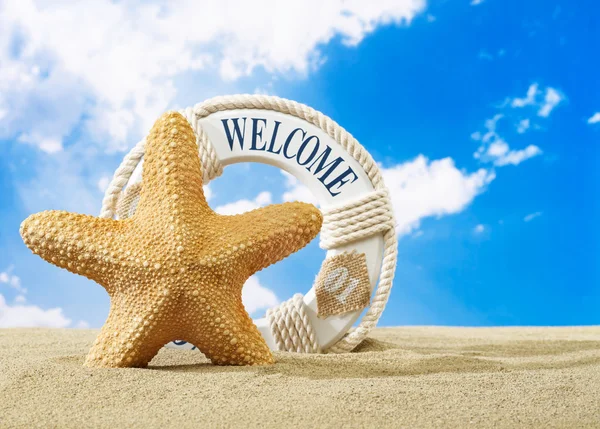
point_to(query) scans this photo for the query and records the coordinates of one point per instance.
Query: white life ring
(219, 123)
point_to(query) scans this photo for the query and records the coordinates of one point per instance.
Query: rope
(343, 217)
(291, 327)
(128, 200)
(120, 179)
(364, 217)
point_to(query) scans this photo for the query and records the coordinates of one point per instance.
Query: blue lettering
(303, 146)
(236, 132)
(286, 145)
(181, 343)
(273, 137)
(320, 163)
(331, 166)
(340, 181)
(256, 133)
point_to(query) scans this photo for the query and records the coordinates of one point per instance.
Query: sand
(401, 377)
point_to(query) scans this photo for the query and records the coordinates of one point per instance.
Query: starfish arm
(229, 337)
(131, 336)
(172, 177)
(82, 244)
(267, 235)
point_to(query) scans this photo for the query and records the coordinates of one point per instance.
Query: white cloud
(208, 192)
(50, 145)
(103, 183)
(545, 105)
(495, 149)
(257, 297)
(28, 316)
(490, 125)
(82, 324)
(296, 191)
(514, 157)
(11, 280)
(63, 181)
(46, 144)
(498, 149)
(479, 229)
(532, 216)
(476, 2)
(421, 188)
(594, 119)
(523, 126)
(242, 206)
(532, 93)
(20, 315)
(551, 100)
(263, 198)
(115, 63)
(16, 283)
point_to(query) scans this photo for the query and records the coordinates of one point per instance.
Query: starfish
(175, 269)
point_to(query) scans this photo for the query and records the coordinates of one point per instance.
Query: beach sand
(400, 377)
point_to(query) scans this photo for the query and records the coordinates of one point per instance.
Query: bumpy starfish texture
(175, 269)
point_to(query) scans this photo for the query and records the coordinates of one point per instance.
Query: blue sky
(484, 115)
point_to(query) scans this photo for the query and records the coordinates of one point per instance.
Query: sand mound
(373, 345)
(401, 377)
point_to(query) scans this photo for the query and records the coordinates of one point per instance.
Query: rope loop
(366, 216)
(120, 179)
(291, 327)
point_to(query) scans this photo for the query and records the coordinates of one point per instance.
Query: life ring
(344, 178)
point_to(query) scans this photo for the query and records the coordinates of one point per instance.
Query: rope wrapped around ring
(363, 217)
(291, 328)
